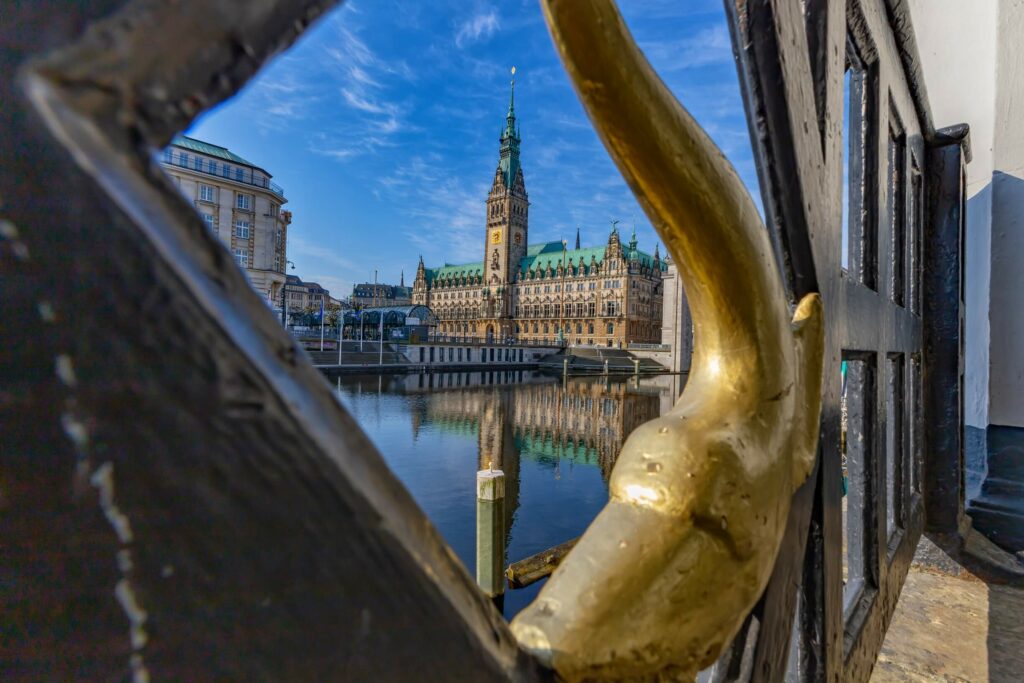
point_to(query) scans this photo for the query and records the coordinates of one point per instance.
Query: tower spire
(510, 118)
(509, 156)
(577, 236)
(512, 97)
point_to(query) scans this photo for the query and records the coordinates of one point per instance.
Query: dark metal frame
(155, 478)
(792, 56)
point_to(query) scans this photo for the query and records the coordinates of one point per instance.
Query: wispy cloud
(387, 114)
(447, 211)
(360, 102)
(710, 45)
(329, 255)
(478, 27)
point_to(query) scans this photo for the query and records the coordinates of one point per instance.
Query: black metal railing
(220, 169)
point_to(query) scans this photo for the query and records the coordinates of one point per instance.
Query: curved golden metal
(663, 578)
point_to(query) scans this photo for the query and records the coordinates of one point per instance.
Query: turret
(507, 207)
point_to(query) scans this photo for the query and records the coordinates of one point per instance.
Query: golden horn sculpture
(663, 578)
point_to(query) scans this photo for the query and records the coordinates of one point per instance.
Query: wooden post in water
(490, 533)
(636, 366)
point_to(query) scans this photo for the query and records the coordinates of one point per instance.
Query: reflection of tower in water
(497, 447)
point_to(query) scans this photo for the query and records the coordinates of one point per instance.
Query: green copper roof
(509, 165)
(455, 271)
(212, 150)
(538, 257)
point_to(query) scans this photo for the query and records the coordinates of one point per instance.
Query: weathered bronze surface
(662, 580)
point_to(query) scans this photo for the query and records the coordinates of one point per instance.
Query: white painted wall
(973, 72)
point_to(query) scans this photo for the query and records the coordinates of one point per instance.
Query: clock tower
(507, 217)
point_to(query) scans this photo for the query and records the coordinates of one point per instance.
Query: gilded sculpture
(660, 583)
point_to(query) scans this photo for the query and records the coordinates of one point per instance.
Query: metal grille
(856, 525)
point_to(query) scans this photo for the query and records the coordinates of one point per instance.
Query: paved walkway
(950, 628)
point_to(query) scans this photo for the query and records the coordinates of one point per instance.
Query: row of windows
(203, 165)
(545, 328)
(579, 310)
(615, 284)
(243, 230)
(243, 201)
(591, 286)
(548, 310)
(455, 354)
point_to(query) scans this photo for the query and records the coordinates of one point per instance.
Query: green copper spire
(509, 163)
(511, 116)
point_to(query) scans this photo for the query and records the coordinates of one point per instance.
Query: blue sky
(381, 124)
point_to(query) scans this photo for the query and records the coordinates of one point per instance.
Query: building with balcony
(604, 295)
(239, 203)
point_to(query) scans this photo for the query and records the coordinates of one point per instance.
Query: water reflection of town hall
(518, 414)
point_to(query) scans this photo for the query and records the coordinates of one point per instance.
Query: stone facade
(240, 204)
(608, 295)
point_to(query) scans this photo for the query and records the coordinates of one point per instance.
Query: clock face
(495, 236)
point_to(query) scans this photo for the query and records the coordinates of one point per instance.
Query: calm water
(556, 443)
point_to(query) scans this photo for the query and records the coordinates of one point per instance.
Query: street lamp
(284, 298)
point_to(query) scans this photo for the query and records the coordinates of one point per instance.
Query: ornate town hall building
(608, 295)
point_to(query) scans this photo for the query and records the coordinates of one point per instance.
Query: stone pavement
(954, 628)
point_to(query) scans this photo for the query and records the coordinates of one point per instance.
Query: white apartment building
(240, 204)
